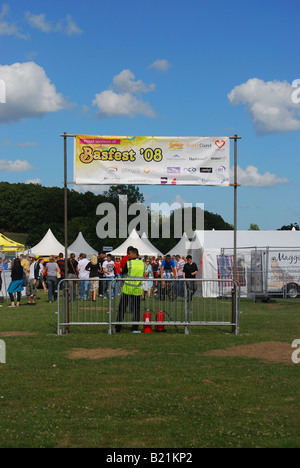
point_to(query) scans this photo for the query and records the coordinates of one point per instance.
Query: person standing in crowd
(147, 284)
(72, 274)
(180, 266)
(109, 272)
(62, 265)
(125, 259)
(83, 274)
(92, 267)
(42, 273)
(118, 275)
(52, 270)
(33, 279)
(132, 289)
(190, 271)
(25, 263)
(100, 269)
(16, 284)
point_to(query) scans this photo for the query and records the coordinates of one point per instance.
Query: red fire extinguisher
(147, 319)
(160, 317)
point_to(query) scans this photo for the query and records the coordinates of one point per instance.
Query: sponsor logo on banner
(175, 145)
(196, 158)
(198, 145)
(220, 143)
(173, 170)
(147, 170)
(164, 180)
(190, 169)
(221, 169)
(130, 171)
(207, 170)
(176, 157)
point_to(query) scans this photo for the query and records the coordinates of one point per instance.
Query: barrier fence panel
(165, 303)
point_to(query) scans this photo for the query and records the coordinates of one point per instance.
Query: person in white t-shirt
(109, 272)
(83, 274)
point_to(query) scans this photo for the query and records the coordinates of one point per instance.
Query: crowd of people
(31, 272)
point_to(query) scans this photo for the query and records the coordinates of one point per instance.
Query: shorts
(31, 289)
(94, 285)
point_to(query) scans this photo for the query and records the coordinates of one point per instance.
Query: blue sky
(180, 68)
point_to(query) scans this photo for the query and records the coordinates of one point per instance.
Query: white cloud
(29, 92)
(121, 99)
(250, 177)
(178, 199)
(8, 28)
(111, 104)
(27, 144)
(124, 83)
(36, 181)
(38, 22)
(71, 28)
(160, 65)
(66, 26)
(96, 189)
(14, 166)
(22, 144)
(269, 104)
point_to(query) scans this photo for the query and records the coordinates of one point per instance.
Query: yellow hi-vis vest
(136, 269)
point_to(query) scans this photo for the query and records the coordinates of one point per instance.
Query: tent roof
(150, 245)
(80, 245)
(9, 245)
(246, 239)
(181, 247)
(134, 240)
(49, 245)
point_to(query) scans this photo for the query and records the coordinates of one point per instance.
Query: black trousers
(101, 283)
(134, 303)
(11, 296)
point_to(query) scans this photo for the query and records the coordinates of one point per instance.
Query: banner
(114, 160)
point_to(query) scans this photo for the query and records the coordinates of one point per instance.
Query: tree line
(33, 209)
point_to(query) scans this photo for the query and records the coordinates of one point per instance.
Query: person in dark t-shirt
(190, 271)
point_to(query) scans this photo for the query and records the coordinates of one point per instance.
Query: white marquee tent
(49, 245)
(150, 245)
(182, 247)
(80, 245)
(207, 246)
(134, 240)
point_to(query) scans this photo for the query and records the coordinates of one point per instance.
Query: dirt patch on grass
(16, 333)
(271, 351)
(99, 353)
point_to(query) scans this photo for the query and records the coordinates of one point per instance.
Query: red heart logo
(219, 143)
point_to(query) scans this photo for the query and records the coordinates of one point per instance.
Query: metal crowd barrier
(165, 303)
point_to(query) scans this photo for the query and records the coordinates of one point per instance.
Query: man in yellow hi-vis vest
(132, 289)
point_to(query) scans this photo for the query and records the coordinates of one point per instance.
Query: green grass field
(170, 390)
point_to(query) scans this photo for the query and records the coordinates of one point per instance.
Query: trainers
(135, 331)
